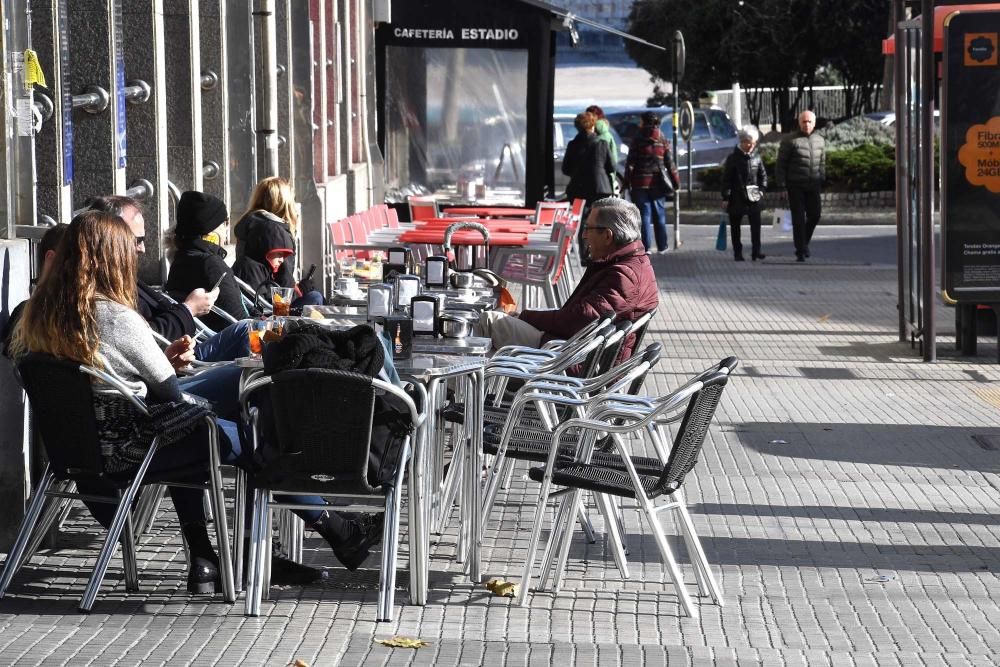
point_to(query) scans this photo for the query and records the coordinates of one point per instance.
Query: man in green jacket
(801, 169)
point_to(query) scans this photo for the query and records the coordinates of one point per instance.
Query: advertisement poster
(970, 151)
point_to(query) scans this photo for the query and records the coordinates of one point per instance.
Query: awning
(940, 14)
(569, 18)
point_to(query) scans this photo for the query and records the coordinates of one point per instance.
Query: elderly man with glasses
(619, 279)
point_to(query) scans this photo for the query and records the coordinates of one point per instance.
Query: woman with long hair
(265, 241)
(83, 310)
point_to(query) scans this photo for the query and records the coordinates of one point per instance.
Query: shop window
(456, 123)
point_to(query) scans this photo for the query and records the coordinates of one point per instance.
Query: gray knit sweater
(129, 351)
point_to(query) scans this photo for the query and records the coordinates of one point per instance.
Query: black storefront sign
(970, 148)
(428, 28)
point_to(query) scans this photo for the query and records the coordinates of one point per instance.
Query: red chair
(422, 208)
(545, 211)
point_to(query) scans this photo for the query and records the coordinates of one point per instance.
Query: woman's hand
(180, 353)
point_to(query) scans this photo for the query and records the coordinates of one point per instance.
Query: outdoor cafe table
(448, 359)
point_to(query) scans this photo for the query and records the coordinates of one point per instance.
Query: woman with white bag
(744, 181)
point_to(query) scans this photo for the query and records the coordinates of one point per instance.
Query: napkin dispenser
(379, 301)
(400, 256)
(424, 311)
(436, 271)
(407, 287)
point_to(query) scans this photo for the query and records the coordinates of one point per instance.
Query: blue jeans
(313, 298)
(231, 343)
(654, 217)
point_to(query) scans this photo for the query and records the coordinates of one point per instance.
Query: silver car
(713, 138)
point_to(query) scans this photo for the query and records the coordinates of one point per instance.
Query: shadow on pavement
(941, 447)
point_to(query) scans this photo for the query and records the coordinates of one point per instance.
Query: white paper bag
(783, 219)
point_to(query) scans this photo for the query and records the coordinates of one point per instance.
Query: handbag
(720, 240)
(665, 175)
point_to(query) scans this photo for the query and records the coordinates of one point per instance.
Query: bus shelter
(465, 98)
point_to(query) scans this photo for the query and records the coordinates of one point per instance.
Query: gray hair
(748, 132)
(620, 216)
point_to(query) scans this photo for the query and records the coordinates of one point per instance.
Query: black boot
(203, 568)
(350, 539)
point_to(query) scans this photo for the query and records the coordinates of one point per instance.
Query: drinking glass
(281, 300)
(256, 332)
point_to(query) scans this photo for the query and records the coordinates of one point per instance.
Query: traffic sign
(687, 121)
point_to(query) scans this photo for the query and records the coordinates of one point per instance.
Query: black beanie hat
(198, 213)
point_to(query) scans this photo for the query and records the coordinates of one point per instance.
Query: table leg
(419, 558)
(472, 498)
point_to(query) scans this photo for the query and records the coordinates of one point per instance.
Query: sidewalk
(844, 505)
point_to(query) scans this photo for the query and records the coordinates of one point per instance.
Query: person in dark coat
(801, 169)
(744, 181)
(200, 263)
(588, 163)
(265, 241)
(620, 279)
(648, 160)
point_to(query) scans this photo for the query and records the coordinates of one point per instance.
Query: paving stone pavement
(845, 507)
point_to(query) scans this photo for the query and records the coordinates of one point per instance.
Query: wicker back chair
(62, 401)
(320, 431)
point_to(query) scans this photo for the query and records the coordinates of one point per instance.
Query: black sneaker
(286, 572)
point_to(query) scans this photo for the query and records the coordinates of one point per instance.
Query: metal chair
(694, 406)
(62, 400)
(322, 423)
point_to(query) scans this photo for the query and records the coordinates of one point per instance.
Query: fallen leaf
(403, 642)
(501, 588)
(823, 318)
(298, 663)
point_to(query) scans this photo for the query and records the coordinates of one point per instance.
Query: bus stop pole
(899, 83)
(928, 81)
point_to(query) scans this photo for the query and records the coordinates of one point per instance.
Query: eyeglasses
(140, 241)
(590, 228)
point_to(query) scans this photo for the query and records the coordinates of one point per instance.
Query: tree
(777, 44)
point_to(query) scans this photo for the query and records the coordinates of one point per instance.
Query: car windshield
(627, 123)
(722, 127)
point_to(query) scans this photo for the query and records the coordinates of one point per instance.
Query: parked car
(889, 118)
(564, 131)
(713, 138)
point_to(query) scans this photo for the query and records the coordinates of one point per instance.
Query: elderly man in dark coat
(801, 168)
(619, 279)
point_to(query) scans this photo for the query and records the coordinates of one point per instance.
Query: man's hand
(200, 302)
(180, 353)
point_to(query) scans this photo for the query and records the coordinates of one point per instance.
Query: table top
(451, 346)
(491, 211)
(424, 368)
(462, 238)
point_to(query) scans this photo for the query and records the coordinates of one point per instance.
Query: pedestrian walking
(652, 178)
(744, 181)
(587, 162)
(602, 128)
(801, 170)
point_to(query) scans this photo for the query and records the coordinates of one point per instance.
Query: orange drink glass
(281, 300)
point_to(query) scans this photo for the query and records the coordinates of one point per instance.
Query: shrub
(857, 131)
(864, 168)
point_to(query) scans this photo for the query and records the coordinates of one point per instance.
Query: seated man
(619, 279)
(171, 320)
